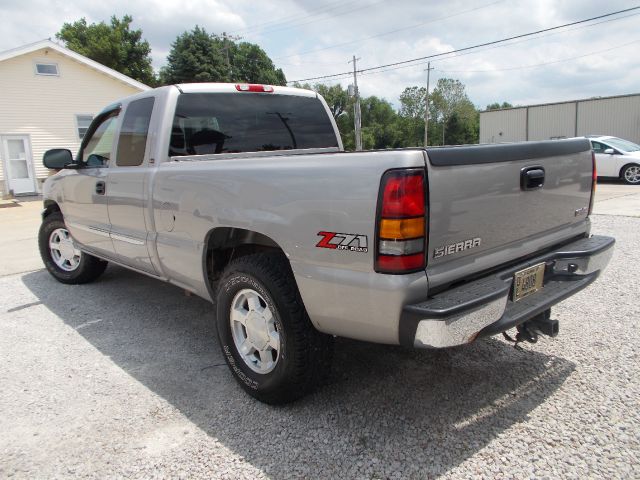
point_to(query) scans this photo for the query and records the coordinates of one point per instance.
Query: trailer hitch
(528, 331)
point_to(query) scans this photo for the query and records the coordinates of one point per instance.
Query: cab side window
(132, 142)
(97, 147)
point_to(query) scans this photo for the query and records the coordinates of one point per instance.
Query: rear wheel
(62, 257)
(268, 341)
(630, 174)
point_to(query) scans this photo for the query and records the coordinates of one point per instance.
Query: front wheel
(268, 341)
(62, 257)
(631, 174)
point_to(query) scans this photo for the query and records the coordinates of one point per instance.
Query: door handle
(531, 178)
(101, 188)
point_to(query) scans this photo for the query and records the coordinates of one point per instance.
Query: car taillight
(594, 181)
(252, 87)
(401, 228)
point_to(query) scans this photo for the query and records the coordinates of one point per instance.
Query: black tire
(627, 169)
(304, 358)
(89, 268)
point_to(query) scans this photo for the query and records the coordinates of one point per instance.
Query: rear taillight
(401, 228)
(252, 87)
(594, 181)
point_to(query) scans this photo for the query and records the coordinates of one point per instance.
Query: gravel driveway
(123, 378)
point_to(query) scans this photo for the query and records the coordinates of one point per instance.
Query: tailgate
(485, 209)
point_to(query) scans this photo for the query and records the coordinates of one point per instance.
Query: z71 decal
(343, 241)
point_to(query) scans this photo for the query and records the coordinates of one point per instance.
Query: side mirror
(57, 158)
(609, 151)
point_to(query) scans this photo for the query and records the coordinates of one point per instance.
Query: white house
(48, 96)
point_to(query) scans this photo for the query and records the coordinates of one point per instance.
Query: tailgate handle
(531, 178)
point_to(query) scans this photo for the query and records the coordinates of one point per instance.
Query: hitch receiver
(545, 325)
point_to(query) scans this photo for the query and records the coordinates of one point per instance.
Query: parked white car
(616, 157)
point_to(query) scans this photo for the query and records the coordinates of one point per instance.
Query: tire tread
(90, 267)
(314, 350)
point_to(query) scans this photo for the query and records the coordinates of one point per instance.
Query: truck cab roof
(235, 88)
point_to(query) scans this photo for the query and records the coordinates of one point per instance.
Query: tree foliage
(114, 45)
(198, 56)
(450, 112)
(336, 97)
(194, 57)
(251, 64)
(497, 105)
(450, 100)
(412, 102)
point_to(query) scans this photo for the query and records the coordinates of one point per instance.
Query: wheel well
(224, 244)
(625, 166)
(50, 207)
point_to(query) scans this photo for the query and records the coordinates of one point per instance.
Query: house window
(47, 69)
(83, 122)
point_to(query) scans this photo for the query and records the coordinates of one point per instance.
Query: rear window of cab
(210, 123)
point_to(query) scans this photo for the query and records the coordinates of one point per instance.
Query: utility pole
(426, 108)
(225, 47)
(356, 108)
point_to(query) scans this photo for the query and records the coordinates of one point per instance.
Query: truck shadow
(386, 409)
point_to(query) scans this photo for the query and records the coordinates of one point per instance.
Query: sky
(313, 38)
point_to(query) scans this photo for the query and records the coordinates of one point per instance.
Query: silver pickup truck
(243, 195)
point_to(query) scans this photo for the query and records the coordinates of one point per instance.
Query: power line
(473, 52)
(510, 68)
(338, 14)
(498, 46)
(453, 57)
(494, 42)
(390, 32)
(523, 67)
(291, 18)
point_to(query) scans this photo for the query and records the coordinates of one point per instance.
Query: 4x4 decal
(344, 241)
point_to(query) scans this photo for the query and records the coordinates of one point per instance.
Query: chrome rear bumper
(484, 306)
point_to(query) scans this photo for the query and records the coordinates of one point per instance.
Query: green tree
(497, 105)
(378, 123)
(194, 57)
(461, 130)
(336, 97)
(449, 98)
(450, 110)
(347, 130)
(341, 106)
(412, 102)
(251, 64)
(198, 56)
(410, 123)
(114, 45)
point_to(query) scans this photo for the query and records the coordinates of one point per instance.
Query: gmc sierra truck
(243, 195)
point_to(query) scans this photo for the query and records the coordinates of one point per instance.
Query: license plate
(527, 281)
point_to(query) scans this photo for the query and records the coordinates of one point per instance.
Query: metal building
(618, 116)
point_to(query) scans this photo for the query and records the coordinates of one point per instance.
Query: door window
(133, 134)
(96, 151)
(18, 168)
